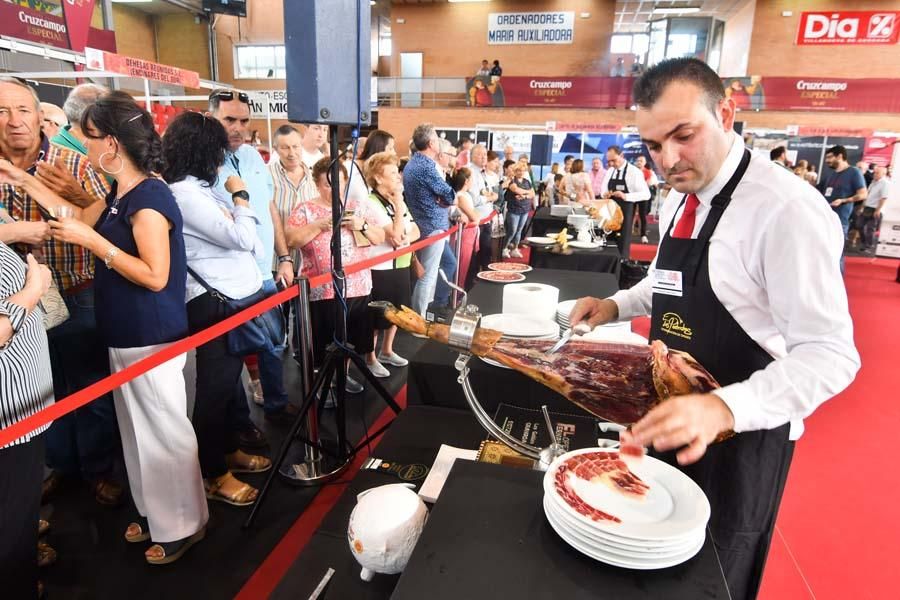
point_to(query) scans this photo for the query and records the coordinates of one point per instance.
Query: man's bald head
(79, 99)
(52, 119)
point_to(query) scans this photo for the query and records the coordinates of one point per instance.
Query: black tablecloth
(432, 376)
(486, 537)
(600, 260)
(543, 221)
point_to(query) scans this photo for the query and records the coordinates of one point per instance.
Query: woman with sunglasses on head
(221, 241)
(140, 284)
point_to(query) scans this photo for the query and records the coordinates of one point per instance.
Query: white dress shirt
(480, 202)
(878, 190)
(774, 264)
(634, 179)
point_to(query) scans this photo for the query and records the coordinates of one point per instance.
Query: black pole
(340, 320)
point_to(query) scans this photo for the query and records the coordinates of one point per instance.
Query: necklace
(114, 209)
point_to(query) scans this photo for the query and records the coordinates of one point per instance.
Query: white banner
(275, 99)
(531, 28)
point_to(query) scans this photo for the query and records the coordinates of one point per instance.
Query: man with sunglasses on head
(232, 109)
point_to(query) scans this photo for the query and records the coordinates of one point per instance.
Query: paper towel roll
(536, 299)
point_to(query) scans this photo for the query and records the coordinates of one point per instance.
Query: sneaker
(644, 239)
(515, 253)
(353, 386)
(378, 369)
(256, 392)
(393, 359)
(505, 253)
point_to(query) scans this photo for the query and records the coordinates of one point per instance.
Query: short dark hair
(837, 150)
(376, 142)
(568, 157)
(285, 130)
(507, 163)
(194, 144)
(459, 179)
(491, 155)
(777, 152)
(617, 150)
(118, 115)
(653, 83)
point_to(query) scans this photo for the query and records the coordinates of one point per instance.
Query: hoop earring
(109, 171)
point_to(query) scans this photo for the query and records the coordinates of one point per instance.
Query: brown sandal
(46, 555)
(143, 531)
(172, 551)
(43, 527)
(254, 464)
(244, 496)
(108, 493)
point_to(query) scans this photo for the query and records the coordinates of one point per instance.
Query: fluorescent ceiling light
(674, 10)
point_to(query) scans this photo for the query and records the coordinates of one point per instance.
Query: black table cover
(600, 260)
(486, 537)
(432, 376)
(543, 221)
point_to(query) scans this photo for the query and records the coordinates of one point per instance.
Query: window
(259, 62)
(620, 44)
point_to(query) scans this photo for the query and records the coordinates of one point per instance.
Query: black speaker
(327, 60)
(541, 149)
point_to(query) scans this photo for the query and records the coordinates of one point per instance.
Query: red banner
(848, 27)
(879, 150)
(43, 28)
(78, 14)
(749, 93)
(97, 60)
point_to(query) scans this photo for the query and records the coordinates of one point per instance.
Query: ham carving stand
(462, 333)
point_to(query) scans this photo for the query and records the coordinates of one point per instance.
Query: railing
(416, 92)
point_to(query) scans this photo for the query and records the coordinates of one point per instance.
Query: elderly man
(483, 197)
(428, 197)
(79, 99)
(84, 442)
(52, 120)
(232, 109)
(870, 217)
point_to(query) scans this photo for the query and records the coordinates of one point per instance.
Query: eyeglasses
(228, 96)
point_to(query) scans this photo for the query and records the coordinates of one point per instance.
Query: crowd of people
(856, 193)
(147, 239)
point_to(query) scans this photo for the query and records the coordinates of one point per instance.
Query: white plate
(501, 276)
(674, 508)
(509, 267)
(585, 245)
(615, 560)
(540, 240)
(520, 326)
(553, 235)
(620, 545)
(494, 363)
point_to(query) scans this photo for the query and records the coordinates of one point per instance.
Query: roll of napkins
(535, 299)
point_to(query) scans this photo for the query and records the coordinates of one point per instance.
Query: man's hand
(235, 184)
(877, 213)
(693, 420)
(618, 195)
(286, 272)
(60, 181)
(38, 277)
(32, 233)
(593, 311)
(838, 202)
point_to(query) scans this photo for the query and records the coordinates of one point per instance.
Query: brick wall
(453, 38)
(134, 33)
(773, 51)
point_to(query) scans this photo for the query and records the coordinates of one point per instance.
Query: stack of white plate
(564, 309)
(665, 527)
(516, 326)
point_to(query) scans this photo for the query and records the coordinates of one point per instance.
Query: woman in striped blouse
(26, 387)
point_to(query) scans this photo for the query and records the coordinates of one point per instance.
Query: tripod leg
(379, 388)
(322, 381)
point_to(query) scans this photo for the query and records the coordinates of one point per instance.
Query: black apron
(618, 184)
(743, 477)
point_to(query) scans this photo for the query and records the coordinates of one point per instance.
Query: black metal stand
(340, 454)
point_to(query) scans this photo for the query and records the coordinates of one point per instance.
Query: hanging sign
(848, 27)
(531, 28)
(98, 60)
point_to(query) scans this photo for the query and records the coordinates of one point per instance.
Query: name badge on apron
(620, 188)
(667, 282)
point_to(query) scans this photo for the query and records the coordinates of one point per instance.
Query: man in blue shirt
(428, 197)
(232, 109)
(844, 186)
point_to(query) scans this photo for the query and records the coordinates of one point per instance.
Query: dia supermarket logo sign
(841, 27)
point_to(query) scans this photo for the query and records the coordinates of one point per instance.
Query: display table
(486, 537)
(432, 376)
(599, 260)
(543, 221)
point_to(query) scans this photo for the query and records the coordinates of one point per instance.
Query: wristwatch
(285, 258)
(241, 194)
(364, 228)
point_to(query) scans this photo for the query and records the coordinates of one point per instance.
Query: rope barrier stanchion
(86, 395)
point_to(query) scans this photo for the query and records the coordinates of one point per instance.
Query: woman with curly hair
(139, 303)
(220, 238)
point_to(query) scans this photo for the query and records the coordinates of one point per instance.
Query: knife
(579, 329)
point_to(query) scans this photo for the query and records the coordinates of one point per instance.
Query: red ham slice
(605, 467)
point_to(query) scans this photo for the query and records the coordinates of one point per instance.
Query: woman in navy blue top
(140, 271)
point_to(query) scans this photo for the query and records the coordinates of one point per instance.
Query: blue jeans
(271, 375)
(430, 257)
(85, 441)
(448, 266)
(515, 225)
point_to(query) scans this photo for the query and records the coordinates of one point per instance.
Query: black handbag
(262, 333)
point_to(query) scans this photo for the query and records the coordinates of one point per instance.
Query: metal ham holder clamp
(462, 333)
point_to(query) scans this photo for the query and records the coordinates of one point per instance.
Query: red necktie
(685, 226)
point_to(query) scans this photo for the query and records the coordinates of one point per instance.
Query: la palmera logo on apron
(673, 324)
